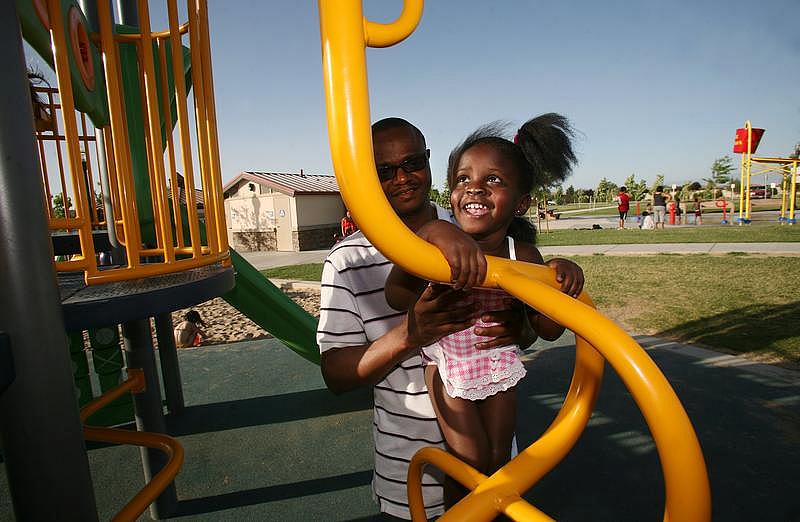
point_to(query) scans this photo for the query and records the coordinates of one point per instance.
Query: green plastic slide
(264, 303)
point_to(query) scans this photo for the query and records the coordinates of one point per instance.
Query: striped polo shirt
(354, 312)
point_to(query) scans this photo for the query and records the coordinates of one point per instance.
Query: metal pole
(44, 450)
(147, 405)
(170, 369)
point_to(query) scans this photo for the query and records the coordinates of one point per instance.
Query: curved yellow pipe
(384, 35)
(686, 481)
(135, 383)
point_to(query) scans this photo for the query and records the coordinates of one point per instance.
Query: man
(363, 341)
(623, 205)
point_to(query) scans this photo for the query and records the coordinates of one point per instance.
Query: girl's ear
(523, 205)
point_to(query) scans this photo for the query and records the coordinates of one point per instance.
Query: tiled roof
(290, 184)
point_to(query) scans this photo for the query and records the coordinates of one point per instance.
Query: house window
(252, 187)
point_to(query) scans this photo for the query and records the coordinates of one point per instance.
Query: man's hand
(511, 327)
(439, 311)
(467, 262)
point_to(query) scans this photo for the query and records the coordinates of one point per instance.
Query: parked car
(759, 192)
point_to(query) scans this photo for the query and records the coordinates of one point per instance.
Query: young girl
(188, 333)
(490, 178)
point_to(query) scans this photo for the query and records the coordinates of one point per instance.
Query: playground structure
(746, 143)
(133, 83)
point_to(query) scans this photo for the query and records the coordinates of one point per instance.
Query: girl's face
(485, 192)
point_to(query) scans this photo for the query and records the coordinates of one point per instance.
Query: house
(279, 211)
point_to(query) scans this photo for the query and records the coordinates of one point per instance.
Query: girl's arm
(569, 274)
(467, 264)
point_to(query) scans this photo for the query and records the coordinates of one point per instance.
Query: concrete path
(264, 260)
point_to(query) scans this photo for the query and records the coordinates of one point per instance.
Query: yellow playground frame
(753, 166)
(345, 36)
(174, 250)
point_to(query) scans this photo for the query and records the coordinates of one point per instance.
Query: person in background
(660, 199)
(698, 211)
(623, 205)
(348, 226)
(647, 221)
(188, 332)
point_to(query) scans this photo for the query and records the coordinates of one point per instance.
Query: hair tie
(516, 139)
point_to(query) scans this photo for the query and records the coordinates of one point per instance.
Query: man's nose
(400, 175)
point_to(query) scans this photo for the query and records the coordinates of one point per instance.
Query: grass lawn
(739, 303)
(703, 234)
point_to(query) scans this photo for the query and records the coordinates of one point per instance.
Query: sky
(653, 86)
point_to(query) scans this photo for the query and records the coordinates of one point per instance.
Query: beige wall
(248, 211)
(317, 210)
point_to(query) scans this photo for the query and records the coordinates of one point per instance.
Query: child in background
(623, 205)
(647, 221)
(472, 388)
(698, 211)
(188, 333)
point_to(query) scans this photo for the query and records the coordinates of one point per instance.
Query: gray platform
(265, 440)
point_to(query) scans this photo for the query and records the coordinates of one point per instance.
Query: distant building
(285, 212)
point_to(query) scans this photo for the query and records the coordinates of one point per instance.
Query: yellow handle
(344, 40)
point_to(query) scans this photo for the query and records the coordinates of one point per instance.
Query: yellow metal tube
(59, 41)
(747, 164)
(344, 71)
(157, 175)
(167, 114)
(215, 196)
(183, 123)
(119, 136)
(793, 193)
(135, 383)
(384, 35)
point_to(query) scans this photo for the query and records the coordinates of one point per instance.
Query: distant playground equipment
(723, 204)
(131, 108)
(345, 36)
(745, 143)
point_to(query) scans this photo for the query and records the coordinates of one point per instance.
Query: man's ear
(523, 205)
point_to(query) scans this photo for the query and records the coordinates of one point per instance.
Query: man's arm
(439, 311)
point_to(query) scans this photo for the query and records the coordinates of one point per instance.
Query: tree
(721, 171)
(569, 195)
(720, 174)
(605, 190)
(658, 182)
(636, 189)
(441, 198)
(59, 209)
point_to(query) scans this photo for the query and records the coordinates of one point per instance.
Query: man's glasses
(412, 164)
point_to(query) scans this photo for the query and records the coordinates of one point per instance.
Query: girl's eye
(493, 179)
(462, 179)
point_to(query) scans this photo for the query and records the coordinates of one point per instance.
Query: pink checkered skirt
(470, 373)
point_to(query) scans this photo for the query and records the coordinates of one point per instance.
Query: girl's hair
(541, 151)
(193, 316)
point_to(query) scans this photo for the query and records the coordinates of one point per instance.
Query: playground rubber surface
(265, 440)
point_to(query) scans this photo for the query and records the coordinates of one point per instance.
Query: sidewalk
(264, 260)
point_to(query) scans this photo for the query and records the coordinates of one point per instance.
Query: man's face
(407, 192)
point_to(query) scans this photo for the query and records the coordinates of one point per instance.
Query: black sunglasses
(414, 163)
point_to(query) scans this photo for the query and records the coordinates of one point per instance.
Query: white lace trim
(487, 385)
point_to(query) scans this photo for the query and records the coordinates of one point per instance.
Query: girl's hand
(568, 274)
(467, 262)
